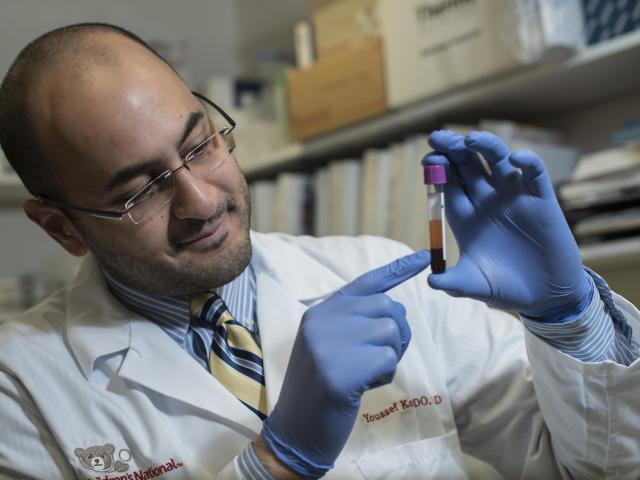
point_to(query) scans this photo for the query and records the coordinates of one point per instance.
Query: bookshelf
(595, 74)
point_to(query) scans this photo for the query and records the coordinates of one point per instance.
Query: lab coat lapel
(279, 314)
(288, 281)
(156, 362)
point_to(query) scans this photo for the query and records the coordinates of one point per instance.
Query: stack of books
(602, 201)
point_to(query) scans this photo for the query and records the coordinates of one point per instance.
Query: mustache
(192, 227)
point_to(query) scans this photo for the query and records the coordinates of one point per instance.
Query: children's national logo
(103, 459)
(100, 458)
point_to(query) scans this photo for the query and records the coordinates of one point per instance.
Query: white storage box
(431, 46)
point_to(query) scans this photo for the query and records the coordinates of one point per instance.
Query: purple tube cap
(435, 174)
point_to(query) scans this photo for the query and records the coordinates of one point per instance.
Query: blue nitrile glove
(516, 249)
(347, 344)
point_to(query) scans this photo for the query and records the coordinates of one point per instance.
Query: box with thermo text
(431, 46)
(339, 89)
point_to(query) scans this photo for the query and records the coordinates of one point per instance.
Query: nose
(195, 197)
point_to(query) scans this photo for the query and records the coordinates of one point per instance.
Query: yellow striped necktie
(236, 358)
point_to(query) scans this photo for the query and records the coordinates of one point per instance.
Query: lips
(209, 232)
(200, 237)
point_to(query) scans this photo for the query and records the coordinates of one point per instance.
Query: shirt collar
(172, 313)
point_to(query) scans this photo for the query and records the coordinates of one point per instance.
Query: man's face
(133, 120)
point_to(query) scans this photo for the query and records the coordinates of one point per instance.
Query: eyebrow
(127, 173)
(192, 121)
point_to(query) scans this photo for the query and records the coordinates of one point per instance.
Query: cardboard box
(431, 46)
(338, 90)
(341, 23)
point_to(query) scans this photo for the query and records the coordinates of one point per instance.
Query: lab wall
(220, 37)
(265, 24)
(205, 30)
(31, 264)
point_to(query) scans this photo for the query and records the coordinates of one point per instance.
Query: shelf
(616, 253)
(12, 192)
(597, 73)
(289, 153)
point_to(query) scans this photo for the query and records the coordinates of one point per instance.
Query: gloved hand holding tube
(347, 344)
(516, 249)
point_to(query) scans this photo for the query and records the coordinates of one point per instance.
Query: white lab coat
(82, 371)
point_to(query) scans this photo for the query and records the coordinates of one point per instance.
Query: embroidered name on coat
(400, 405)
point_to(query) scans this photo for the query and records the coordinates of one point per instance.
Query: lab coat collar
(98, 325)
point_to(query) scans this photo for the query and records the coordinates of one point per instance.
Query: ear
(109, 448)
(79, 452)
(57, 225)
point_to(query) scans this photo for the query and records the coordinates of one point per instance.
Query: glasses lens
(151, 199)
(211, 155)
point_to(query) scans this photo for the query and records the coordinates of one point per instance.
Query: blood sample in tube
(435, 178)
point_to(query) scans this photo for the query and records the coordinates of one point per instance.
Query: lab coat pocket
(434, 458)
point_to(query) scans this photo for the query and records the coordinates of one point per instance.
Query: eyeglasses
(203, 160)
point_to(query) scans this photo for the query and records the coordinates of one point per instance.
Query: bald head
(50, 72)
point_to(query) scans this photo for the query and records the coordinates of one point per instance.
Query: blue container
(606, 19)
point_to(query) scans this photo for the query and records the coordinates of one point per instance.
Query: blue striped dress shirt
(598, 333)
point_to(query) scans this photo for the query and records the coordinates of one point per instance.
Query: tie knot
(209, 308)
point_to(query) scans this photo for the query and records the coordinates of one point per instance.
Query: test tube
(435, 177)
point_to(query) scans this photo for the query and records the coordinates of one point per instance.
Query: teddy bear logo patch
(100, 458)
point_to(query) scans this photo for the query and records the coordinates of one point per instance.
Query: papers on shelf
(609, 224)
(605, 162)
(624, 185)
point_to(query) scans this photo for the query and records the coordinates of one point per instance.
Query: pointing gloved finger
(534, 173)
(388, 276)
(466, 162)
(462, 280)
(496, 153)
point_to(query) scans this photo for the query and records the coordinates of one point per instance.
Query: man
(188, 347)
